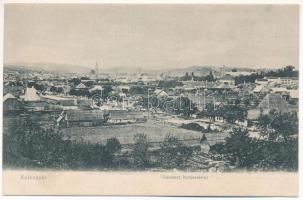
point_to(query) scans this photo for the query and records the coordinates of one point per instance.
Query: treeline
(275, 149)
(31, 146)
(169, 83)
(180, 106)
(210, 77)
(288, 71)
(38, 87)
(106, 92)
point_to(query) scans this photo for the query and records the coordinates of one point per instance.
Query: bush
(140, 151)
(173, 153)
(194, 127)
(29, 145)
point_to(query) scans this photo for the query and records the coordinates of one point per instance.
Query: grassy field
(155, 132)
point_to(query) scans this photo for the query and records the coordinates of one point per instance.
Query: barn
(11, 103)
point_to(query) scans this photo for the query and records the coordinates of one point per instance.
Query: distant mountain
(49, 67)
(69, 68)
(77, 69)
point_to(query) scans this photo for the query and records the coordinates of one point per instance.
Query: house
(238, 73)
(290, 80)
(220, 87)
(160, 93)
(36, 105)
(148, 78)
(228, 80)
(122, 95)
(294, 96)
(96, 87)
(15, 90)
(63, 102)
(11, 103)
(279, 90)
(260, 89)
(71, 118)
(270, 102)
(273, 102)
(123, 88)
(125, 116)
(31, 94)
(261, 81)
(81, 86)
(275, 80)
(284, 80)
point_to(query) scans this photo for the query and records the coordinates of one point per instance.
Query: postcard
(151, 99)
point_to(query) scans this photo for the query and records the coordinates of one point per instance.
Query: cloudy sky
(152, 36)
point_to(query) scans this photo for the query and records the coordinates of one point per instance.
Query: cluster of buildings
(115, 99)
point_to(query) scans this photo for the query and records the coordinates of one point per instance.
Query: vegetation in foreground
(28, 145)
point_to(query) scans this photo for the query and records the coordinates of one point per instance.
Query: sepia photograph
(151, 97)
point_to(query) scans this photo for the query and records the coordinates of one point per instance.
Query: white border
(151, 2)
(159, 1)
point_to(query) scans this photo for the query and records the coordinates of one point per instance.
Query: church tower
(97, 70)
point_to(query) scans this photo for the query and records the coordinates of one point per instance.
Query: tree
(278, 126)
(250, 153)
(111, 148)
(28, 144)
(237, 145)
(60, 90)
(289, 68)
(184, 106)
(248, 78)
(75, 81)
(208, 112)
(40, 146)
(113, 145)
(236, 148)
(186, 77)
(173, 153)
(79, 92)
(84, 78)
(39, 87)
(233, 113)
(140, 152)
(138, 90)
(210, 77)
(169, 83)
(107, 89)
(193, 126)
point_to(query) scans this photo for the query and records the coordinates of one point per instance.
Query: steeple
(97, 70)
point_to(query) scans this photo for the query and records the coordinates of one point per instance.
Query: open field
(155, 132)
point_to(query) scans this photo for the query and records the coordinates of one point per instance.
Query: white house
(31, 94)
(227, 80)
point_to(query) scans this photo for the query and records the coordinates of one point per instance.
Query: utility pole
(268, 101)
(148, 109)
(204, 99)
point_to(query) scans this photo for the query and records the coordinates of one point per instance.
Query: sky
(152, 36)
